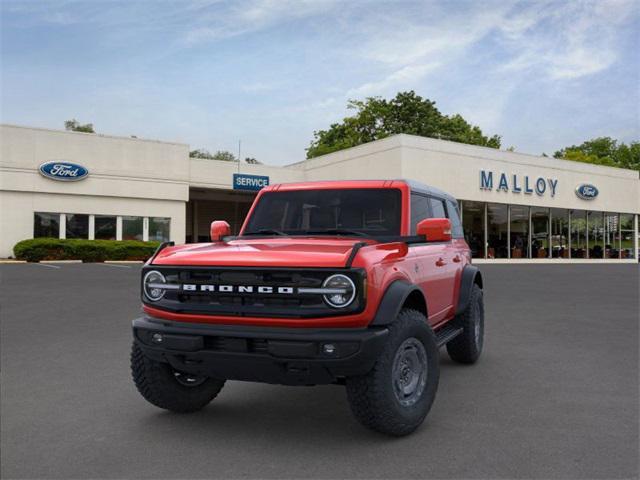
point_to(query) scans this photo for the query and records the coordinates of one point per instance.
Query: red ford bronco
(356, 283)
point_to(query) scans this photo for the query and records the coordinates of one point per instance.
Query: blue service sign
(586, 191)
(249, 182)
(63, 171)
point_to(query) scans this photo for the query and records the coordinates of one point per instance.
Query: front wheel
(167, 388)
(397, 394)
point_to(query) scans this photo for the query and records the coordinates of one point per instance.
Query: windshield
(358, 212)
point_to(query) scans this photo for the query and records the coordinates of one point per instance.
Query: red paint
(435, 267)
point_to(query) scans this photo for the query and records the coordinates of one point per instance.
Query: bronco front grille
(251, 292)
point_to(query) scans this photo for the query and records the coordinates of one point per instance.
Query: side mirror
(435, 229)
(219, 229)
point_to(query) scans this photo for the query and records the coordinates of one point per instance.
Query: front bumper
(260, 354)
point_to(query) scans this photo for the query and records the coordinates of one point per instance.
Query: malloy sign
(515, 183)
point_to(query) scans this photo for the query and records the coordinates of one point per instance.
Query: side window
(438, 208)
(454, 216)
(419, 210)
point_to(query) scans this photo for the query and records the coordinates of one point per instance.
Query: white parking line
(114, 265)
(47, 265)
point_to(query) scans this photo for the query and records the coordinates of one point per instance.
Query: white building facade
(514, 207)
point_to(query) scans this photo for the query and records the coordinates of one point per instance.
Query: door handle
(457, 259)
(440, 262)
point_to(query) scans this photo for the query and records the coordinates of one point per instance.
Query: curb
(60, 261)
(7, 261)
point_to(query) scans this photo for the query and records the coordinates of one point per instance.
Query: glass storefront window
(611, 235)
(473, 224)
(559, 233)
(539, 232)
(77, 226)
(626, 236)
(497, 227)
(159, 229)
(578, 234)
(595, 237)
(105, 227)
(519, 231)
(46, 225)
(132, 228)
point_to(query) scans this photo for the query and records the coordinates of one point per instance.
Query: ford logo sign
(586, 191)
(63, 171)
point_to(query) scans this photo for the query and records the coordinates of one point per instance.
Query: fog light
(329, 348)
(156, 338)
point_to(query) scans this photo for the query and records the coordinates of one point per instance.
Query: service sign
(242, 181)
(63, 171)
(586, 191)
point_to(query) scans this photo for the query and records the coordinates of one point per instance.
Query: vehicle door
(430, 271)
(448, 260)
(461, 253)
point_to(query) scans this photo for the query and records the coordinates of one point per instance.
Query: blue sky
(542, 74)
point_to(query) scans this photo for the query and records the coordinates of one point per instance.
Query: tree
(219, 155)
(75, 126)
(604, 151)
(377, 118)
(252, 161)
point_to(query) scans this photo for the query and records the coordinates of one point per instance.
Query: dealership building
(515, 207)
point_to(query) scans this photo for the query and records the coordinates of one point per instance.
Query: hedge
(37, 249)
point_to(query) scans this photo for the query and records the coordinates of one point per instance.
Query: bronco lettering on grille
(191, 287)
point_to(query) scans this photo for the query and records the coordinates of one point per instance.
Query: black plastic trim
(470, 275)
(392, 302)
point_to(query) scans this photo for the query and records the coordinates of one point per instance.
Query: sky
(542, 74)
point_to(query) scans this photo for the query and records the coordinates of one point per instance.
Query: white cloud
(405, 77)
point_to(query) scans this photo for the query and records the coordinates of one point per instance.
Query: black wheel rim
(188, 379)
(409, 373)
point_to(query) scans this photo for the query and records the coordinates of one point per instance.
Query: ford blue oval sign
(63, 171)
(586, 191)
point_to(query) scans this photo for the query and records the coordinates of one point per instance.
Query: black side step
(447, 333)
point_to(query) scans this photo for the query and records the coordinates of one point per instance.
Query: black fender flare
(470, 276)
(393, 300)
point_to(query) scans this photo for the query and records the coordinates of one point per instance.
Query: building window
(159, 229)
(132, 228)
(595, 235)
(519, 231)
(578, 234)
(77, 226)
(497, 230)
(611, 235)
(559, 233)
(105, 227)
(473, 224)
(46, 225)
(626, 236)
(539, 232)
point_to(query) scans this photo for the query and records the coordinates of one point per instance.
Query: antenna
(239, 144)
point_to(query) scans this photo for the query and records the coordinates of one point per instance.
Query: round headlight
(152, 285)
(342, 293)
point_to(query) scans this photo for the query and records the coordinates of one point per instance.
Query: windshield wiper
(266, 231)
(336, 231)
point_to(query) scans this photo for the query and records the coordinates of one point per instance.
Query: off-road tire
(467, 347)
(157, 383)
(372, 396)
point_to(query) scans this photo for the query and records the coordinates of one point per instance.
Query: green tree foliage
(377, 118)
(75, 126)
(219, 155)
(252, 161)
(604, 151)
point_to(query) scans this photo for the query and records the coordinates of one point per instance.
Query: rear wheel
(396, 395)
(467, 347)
(167, 388)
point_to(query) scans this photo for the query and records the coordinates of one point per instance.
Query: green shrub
(37, 249)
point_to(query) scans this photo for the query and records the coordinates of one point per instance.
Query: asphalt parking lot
(554, 396)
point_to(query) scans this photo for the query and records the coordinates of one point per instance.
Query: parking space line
(114, 265)
(47, 265)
